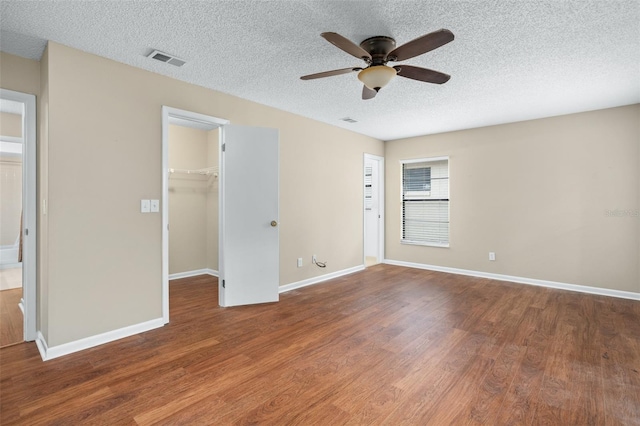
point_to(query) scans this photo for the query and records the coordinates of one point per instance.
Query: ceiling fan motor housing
(378, 47)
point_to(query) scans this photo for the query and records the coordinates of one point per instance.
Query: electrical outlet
(314, 259)
(299, 262)
(492, 256)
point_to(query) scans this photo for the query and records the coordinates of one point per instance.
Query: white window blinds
(425, 201)
(368, 187)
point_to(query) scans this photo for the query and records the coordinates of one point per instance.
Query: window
(425, 201)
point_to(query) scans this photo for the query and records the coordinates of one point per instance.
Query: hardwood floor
(11, 319)
(388, 345)
(10, 278)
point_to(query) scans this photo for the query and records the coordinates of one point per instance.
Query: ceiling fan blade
(421, 45)
(330, 73)
(422, 74)
(346, 45)
(368, 93)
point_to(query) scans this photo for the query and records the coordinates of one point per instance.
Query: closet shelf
(207, 171)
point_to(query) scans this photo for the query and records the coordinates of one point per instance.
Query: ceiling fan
(377, 51)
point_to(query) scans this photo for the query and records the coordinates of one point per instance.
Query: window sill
(422, 243)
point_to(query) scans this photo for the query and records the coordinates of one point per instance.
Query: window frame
(416, 195)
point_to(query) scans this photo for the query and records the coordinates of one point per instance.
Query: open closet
(193, 199)
(209, 227)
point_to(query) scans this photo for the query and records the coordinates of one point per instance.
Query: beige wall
(10, 182)
(192, 199)
(536, 193)
(104, 256)
(11, 199)
(10, 125)
(19, 74)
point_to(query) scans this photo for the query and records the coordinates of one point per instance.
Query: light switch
(145, 206)
(155, 206)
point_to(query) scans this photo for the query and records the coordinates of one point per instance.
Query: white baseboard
(195, 273)
(47, 353)
(321, 278)
(521, 280)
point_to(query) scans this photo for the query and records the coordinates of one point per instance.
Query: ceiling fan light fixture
(377, 76)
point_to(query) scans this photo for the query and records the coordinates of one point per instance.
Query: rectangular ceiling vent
(349, 120)
(165, 57)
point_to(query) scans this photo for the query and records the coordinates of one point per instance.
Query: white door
(373, 210)
(249, 241)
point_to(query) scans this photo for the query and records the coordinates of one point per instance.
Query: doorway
(17, 217)
(190, 183)
(193, 199)
(373, 204)
(248, 236)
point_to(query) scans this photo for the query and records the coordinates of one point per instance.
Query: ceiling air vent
(165, 57)
(349, 120)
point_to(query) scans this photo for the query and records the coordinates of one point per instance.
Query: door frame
(29, 207)
(179, 115)
(381, 230)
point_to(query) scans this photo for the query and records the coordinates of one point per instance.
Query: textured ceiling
(510, 60)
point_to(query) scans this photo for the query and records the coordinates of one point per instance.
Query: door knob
(274, 223)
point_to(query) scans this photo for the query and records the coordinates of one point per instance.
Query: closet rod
(205, 171)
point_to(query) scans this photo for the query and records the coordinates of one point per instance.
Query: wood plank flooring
(388, 345)
(11, 319)
(10, 278)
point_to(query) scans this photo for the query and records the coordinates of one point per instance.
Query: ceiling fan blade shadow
(422, 74)
(346, 45)
(368, 93)
(330, 73)
(421, 45)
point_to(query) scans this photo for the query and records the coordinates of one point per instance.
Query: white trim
(11, 149)
(423, 243)
(424, 160)
(47, 353)
(29, 207)
(403, 198)
(321, 278)
(193, 273)
(222, 300)
(520, 280)
(167, 114)
(11, 139)
(41, 343)
(165, 214)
